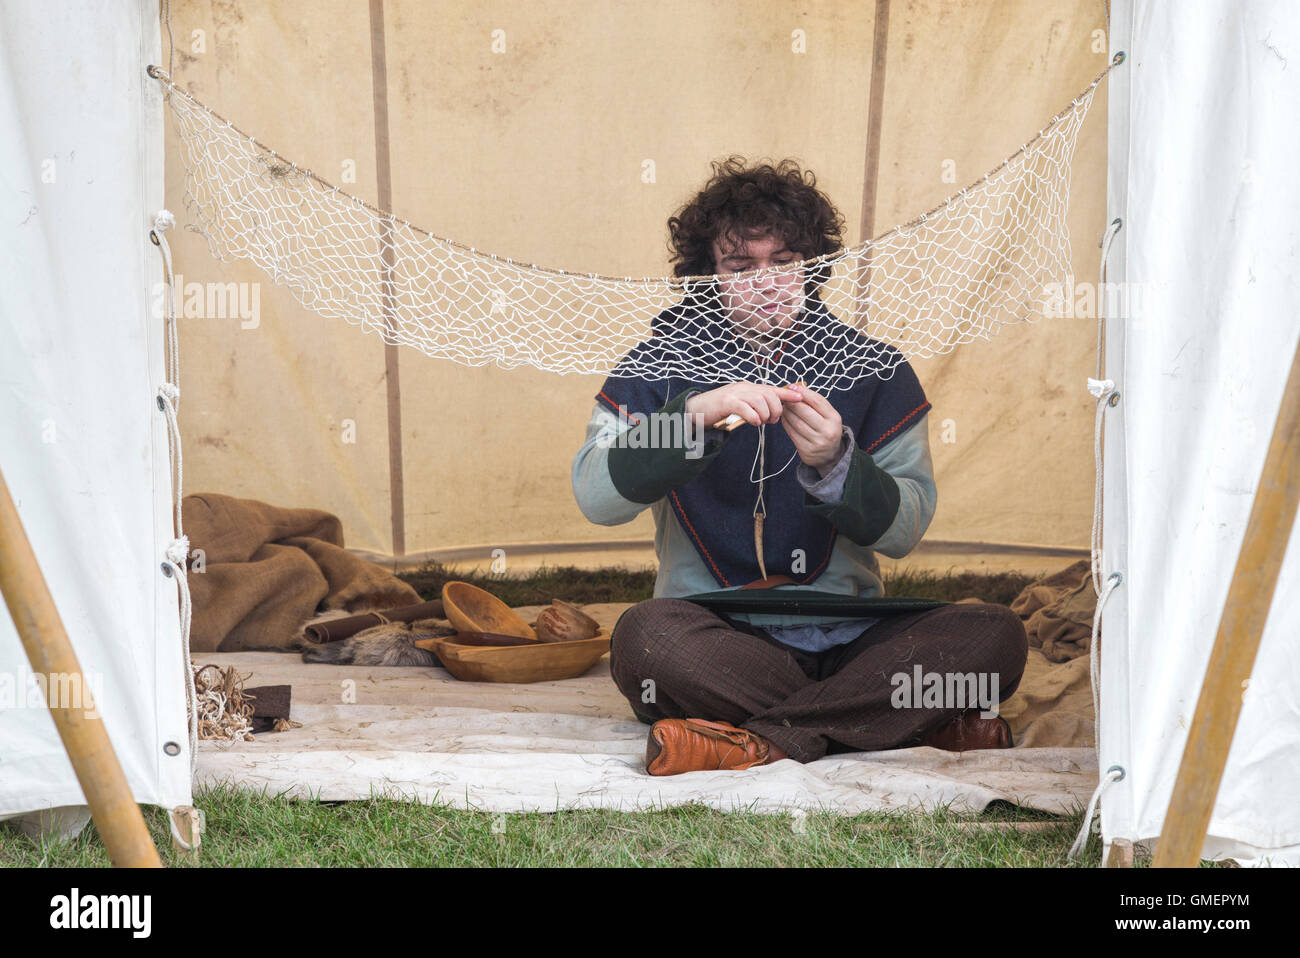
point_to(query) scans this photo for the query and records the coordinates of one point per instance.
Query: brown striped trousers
(674, 659)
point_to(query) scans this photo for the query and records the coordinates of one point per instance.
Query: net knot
(163, 220)
(170, 391)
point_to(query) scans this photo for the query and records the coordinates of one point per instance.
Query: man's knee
(649, 623)
(997, 641)
(1007, 645)
(639, 636)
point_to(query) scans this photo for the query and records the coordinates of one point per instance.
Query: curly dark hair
(742, 202)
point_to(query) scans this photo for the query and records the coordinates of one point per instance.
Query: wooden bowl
(476, 638)
(470, 609)
(544, 662)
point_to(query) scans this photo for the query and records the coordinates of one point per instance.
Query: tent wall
(1203, 140)
(83, 445)
(538, 153)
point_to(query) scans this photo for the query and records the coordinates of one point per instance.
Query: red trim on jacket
(681, 512)
(899, 425)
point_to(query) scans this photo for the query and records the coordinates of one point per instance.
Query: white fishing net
(984, 258)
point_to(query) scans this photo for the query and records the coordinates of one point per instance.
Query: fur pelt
(392, 643)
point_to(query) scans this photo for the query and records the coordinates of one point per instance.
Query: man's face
(762, 305)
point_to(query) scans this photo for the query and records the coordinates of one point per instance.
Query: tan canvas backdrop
(540, 152)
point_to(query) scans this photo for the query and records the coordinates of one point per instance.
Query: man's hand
(815, 429)
(752, 402)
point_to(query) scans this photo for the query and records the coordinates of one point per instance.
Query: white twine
(176, 554)
(1112, 775)
(175, 558)
(1103, 390)
(162, 222)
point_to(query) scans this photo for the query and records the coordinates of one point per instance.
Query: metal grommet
(153, 238)
(1116, 577)
(1118, 59)
(172, 749)
(162, 404)
(1114, 399)
(166, 569)
(1117, 768)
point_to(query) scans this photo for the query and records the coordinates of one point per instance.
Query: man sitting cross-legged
(734, 691)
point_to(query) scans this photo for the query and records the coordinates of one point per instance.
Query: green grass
(247, 830)
(613, 584)
(617, 584)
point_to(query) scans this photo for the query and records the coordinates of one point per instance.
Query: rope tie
(178, 551)
(1100, 387)
(176, 554)
(162, 222)
(1094, 656)
(1105, 392)
(1113, 774)
(168, 402)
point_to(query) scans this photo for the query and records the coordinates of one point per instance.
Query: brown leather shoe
(968, 732)
(697, 745)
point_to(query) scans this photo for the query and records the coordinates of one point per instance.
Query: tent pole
(871, 166)
(384, 197)
(1244, 614)
(116, 815)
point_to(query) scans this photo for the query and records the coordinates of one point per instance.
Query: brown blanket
(1058, 612)
(262, 571)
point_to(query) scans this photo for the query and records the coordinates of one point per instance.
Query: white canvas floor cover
(418, 733)
(1202, 150)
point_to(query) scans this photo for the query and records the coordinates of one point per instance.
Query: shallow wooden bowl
(475, 638)
(470, 609)
(544, 662)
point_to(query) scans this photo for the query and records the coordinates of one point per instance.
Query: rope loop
(1113, 774)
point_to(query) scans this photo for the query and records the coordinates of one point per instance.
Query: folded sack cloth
(332, 630)
(267, 569)
(270, 705)
(1057, 612)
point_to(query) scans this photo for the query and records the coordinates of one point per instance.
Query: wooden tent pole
(871, 165)
(1245, 611)
(384, 197)
(116, 815)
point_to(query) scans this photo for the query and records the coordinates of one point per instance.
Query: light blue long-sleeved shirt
(852, 568)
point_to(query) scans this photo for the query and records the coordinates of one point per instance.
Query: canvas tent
(83, 446)
(1198, 140)
(266, 394)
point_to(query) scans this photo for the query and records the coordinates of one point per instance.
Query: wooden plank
(187, 822)
(1245, 612)
(1121, 854)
